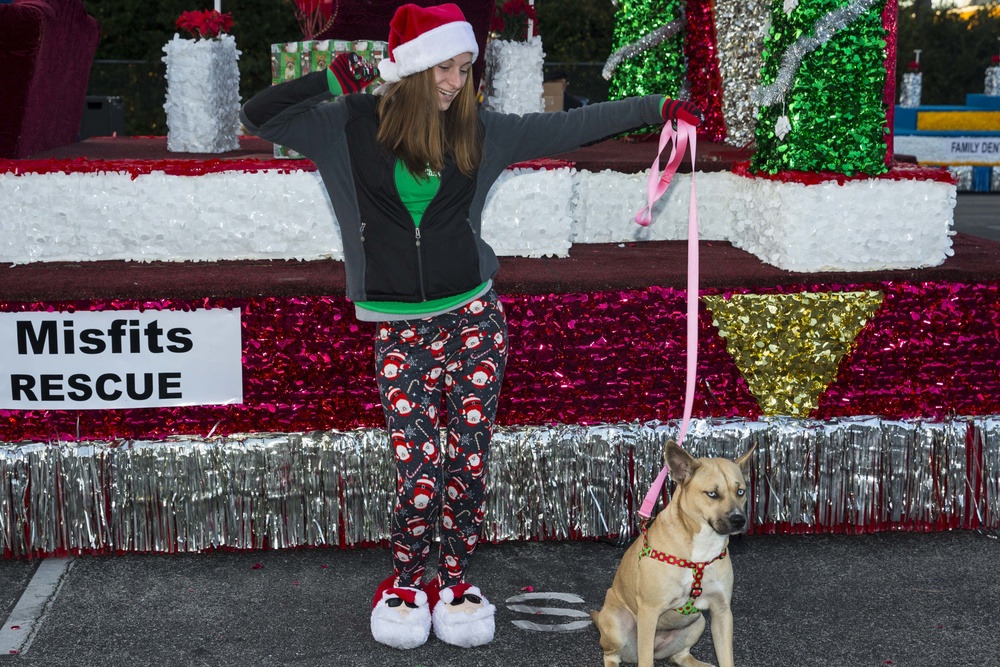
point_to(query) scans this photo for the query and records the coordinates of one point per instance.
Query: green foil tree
(648, 65)
(822, 88)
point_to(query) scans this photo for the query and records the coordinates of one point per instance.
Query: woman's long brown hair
(412, 125)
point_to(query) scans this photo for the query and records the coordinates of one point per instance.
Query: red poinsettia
(515, 7)
(510, 21)
(206, 23)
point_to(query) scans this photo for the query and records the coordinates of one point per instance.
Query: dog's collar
(698, 567)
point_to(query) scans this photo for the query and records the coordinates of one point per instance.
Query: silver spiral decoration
(823, 31)
(644, 43)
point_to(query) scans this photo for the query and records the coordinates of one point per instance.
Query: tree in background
(575, 31)
(576, 36)
(956, 48)
(134, 31)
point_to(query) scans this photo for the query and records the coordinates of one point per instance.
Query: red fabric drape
(46, 50)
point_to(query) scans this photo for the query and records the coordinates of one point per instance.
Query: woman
(408, 172)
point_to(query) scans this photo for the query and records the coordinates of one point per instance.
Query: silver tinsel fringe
(963, 176)
(560, 482)
(741, 28)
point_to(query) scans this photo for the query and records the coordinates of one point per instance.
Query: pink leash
(656, 186)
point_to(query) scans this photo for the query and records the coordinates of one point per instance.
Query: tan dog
(642, 615)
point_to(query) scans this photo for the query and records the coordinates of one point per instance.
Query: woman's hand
(353, 72)
(681, 110)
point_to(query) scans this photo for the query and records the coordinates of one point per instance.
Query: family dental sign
(120, 359)
(948, 150)
(987, 149)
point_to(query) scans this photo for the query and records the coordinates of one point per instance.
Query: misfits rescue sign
(120, 359)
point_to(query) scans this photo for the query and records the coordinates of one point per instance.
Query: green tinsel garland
(835, 102)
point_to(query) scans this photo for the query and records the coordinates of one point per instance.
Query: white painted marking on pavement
(572, 626)
(525, 597)
(19, 630)
(551, 611)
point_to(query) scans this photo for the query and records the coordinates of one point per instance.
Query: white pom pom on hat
(422, 37)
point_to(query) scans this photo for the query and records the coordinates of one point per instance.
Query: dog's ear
(682, 465)
(744, 461)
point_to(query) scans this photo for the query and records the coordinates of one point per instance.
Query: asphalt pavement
(904, 599)
(978, 213)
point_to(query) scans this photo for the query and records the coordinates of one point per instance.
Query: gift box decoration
(291, 60)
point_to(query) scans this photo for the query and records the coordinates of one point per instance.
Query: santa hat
(422, 37)
(451, 593)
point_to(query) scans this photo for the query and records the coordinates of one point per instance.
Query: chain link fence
(143, 88)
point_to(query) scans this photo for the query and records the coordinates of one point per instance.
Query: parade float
(187, 373)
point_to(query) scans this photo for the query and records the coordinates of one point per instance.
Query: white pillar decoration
(913, 85)
(514, 76)
(991, 86)
(203, 94)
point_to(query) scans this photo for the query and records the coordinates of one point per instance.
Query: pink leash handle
(656, 185)
(655, 188)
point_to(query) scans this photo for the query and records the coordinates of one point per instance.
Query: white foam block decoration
(529, 213)
(514, 76)
(160, 217)
(203, 94)
(605, 204)
(276, 215)
(875, 224)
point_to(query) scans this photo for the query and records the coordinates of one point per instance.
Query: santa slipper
(401, 617)
(462, 616)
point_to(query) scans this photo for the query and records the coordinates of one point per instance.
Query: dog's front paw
(689, 661)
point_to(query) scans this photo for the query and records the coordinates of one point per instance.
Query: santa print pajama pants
(462, 355)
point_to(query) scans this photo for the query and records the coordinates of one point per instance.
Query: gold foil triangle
(789, 346)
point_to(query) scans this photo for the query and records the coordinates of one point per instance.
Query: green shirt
(416, 194)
